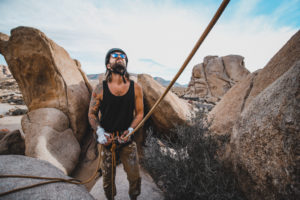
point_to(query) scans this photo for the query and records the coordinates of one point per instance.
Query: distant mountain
(93, 76)
(166, 82)
(162, 81)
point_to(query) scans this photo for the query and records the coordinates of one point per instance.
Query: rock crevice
(248, 91)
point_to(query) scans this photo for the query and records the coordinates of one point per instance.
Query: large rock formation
(261, 115)
(170, 112)
(48, 78)
(215, 76)
(265, 140)
(226, 112)
(23, 165)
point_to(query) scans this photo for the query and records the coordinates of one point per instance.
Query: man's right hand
(109, 139)
(103, 137)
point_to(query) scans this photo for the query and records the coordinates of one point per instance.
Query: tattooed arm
(139, 106)
(139, 110)
(97, 96)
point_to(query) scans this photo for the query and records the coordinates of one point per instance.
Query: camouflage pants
(129, 159)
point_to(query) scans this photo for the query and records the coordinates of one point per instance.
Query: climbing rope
(113, 165)
(188, 59)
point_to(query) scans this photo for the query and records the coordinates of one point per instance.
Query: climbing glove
(130, 131)
(101, 135)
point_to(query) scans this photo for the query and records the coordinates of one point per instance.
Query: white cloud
(163, 31)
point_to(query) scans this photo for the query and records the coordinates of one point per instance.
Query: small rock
(19, 111)
(4, 130)
(12, 143)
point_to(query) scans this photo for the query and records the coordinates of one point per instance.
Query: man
(120, 102)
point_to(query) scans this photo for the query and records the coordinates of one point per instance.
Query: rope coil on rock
(188, 59)
(52, 179)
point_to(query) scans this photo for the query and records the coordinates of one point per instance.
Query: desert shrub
(188, 168)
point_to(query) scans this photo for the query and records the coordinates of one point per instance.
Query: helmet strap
(118, 72)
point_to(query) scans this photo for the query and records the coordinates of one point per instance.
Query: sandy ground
(4, 107)
(149, 190)
(10, 122)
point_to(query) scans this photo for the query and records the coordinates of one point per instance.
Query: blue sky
(157, 35)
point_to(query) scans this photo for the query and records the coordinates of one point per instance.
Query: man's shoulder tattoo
(97, 91)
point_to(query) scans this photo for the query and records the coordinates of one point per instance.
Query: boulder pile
(215, 76)
(54, 89)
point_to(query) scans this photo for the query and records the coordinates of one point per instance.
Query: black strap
(117, 72)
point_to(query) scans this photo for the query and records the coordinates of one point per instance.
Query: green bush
(187, 168)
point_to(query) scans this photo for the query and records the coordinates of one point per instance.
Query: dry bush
(188, 168)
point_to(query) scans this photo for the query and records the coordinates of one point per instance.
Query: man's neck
(117, 79)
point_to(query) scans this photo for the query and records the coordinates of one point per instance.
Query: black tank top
(117, 111)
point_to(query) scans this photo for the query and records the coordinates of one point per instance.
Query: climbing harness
(113, 148)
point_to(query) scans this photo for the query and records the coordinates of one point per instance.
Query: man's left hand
(123, 138)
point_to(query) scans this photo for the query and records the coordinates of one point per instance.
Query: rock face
(215, 76)
(265, 140)
(226, 112)
(49, 79)
(261, 115)
(48, 136)
(11, 143)
(23, 165)
(170, 112)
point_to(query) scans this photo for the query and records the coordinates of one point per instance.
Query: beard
(119, 68)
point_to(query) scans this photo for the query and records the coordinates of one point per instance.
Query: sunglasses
(115, 55)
